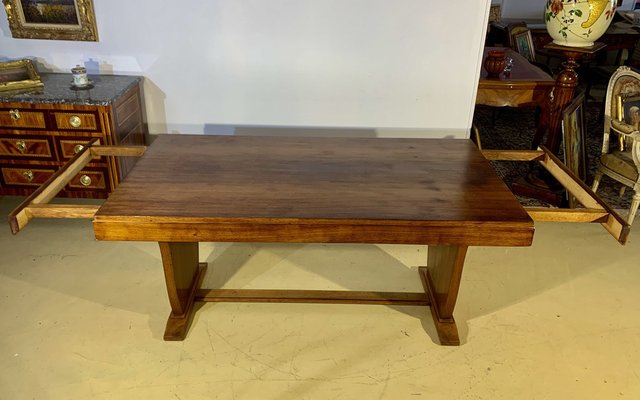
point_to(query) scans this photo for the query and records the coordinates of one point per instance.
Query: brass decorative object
(18, 75)
(34, 20)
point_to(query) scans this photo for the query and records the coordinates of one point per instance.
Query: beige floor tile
(83, 319)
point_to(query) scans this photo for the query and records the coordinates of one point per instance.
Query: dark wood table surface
(438, 192)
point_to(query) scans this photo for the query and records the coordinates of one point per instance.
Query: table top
(523, 74)
(369, 190)
(106, 89)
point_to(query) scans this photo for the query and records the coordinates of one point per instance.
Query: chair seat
(620, 162)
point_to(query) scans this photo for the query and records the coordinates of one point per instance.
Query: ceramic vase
(494, 63)
(578, 23)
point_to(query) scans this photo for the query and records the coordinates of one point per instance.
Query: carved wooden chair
(620, 157)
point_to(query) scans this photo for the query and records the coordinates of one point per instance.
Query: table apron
(467, 234)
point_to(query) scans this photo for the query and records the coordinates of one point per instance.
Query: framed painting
(495, 13)
(52, 19)
(20, 75)
(631, 111)
(524, 45)
(574, 141)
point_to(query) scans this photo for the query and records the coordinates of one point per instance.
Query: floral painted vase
(578, 23)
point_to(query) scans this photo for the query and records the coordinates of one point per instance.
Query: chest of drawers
(39, 132)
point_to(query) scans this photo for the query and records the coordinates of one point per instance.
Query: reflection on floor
(83, 319)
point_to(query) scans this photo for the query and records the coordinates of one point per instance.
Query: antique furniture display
(41, 131)
(188, 189)
(620, 157)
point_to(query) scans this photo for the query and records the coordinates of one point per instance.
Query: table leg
(183, 276)
(441, 280)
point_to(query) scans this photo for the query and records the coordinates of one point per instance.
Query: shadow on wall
(211, 129)
(153, 102)
(247, 130)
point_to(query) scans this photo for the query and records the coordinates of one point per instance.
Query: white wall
(403, 68)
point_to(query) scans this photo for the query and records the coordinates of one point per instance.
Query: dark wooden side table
(526, 86)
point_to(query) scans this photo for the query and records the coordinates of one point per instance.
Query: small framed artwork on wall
(52, 19)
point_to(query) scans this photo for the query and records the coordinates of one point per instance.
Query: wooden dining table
(441, 193)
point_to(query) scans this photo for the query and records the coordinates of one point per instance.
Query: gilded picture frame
(52, 19)
(524, 45)
(19, 75)
(573, 134)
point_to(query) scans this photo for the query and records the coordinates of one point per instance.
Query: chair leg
(596, 181)
(635, 202)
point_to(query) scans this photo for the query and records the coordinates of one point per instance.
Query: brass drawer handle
(21, 145)
(85, 180)
(75, 121)
(77, 148)
(28, 175)
(15, 114)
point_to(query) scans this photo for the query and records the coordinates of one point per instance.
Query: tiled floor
(82, 319)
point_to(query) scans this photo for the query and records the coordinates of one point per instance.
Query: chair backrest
(521, 41)
(622, 104)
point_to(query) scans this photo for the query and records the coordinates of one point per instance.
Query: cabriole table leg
(441, 281)
(183, 276)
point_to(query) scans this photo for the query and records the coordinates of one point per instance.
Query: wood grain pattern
(26, 147)
(27, 119)
(20, 216)
(183, 276)
(215, 188)
(614, 224)
(86, 121)
(312, 296)
(186, 189)
(568, 215)
(446, 327)
(62, 210)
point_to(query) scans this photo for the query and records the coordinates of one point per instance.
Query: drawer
(31, 147)
(17, 118)
(69, 147)
(95, 179)
(25, 176)
(76, 121)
